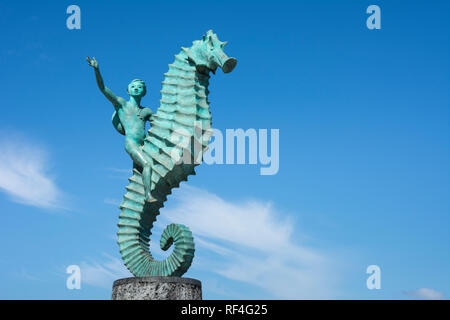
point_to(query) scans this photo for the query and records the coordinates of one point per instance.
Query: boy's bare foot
(149, 198)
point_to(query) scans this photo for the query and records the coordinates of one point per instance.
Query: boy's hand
(92, 62)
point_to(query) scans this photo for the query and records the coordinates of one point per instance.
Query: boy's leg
(145, 162)
(147, 180)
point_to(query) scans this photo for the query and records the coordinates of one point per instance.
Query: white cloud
(24, 174)
(426, 294)
(252, 243)
(248, 242)
(105, 273)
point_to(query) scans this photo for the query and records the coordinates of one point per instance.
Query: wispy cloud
(248, 242)
(24, 174)
(119, 173)
(24, 274)
(253, 243)
(426, 294)
(103, 274)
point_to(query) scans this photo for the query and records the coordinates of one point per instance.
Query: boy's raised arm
(108, 93)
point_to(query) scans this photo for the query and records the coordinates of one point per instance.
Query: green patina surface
(159, 158)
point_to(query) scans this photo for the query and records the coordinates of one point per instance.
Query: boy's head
(137, 88)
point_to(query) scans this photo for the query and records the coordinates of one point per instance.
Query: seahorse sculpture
(184, 107)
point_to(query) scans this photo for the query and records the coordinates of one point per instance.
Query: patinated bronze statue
(158, 158)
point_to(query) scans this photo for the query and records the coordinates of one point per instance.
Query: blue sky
(364, 147)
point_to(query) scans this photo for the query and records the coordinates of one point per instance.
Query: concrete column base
(157, 288)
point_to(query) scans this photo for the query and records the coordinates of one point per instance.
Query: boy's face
(136, 88)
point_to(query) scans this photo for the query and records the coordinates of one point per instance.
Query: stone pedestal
(157, 288)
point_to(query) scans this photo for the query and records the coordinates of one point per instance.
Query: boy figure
(129, 119)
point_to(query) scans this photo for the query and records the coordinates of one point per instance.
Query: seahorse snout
(226, 63)
(229, 65)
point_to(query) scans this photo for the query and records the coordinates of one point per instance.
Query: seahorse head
(208, 54)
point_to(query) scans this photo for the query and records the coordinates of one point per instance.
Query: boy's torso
(132, 122)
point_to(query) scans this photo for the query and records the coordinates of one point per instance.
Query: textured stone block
(157, 288)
